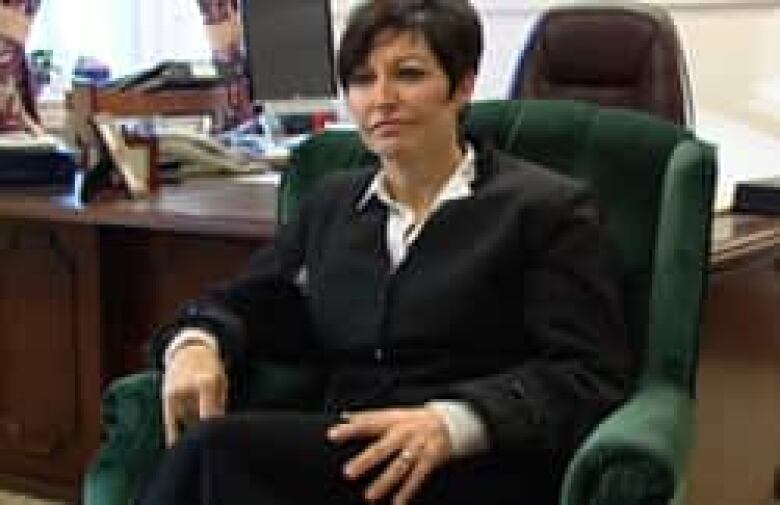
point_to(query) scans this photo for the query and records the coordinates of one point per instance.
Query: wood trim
(206, 206)
(740, 239)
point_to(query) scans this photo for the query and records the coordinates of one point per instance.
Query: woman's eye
(411, 73)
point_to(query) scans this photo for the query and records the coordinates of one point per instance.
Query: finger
(211, 398)
(349, 431)
(414, 481)
(362, 425)
(395, 472)
(376, 453)
(381, 417)
(169, 419)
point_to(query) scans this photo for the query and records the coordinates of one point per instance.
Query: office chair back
(620, 55)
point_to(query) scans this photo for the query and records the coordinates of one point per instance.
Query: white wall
(736, 84)
(735, 76)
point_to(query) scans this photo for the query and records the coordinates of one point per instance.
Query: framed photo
(132, 163)
(142, 156)
(123, 166)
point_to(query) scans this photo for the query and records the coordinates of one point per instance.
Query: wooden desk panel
(49, 354)
(82, 288)
(737, 453)
(148, 274)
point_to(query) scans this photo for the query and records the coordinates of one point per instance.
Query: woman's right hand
(195, 387)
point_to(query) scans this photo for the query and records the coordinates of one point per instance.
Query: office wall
(733, 56)
(736, 84)
(735, 77)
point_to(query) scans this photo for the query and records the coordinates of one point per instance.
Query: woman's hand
(410, 442)
(194, 387)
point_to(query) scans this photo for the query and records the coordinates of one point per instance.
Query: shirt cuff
(467, 431)
(188, 336)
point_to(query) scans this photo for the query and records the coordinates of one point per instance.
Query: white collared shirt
(402, 228)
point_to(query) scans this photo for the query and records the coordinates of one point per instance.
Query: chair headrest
(622, 55)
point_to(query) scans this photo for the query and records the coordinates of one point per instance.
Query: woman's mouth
(387, 127)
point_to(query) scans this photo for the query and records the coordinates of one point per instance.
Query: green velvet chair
(655, 184)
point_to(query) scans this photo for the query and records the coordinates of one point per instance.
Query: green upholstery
(655, 183)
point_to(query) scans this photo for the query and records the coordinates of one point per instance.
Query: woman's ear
(465, 88)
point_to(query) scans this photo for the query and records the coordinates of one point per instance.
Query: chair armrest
(132, 440)
(637, 455)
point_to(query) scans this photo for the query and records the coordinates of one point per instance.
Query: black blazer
(504, 301)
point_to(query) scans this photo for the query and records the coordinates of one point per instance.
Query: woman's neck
(415, 182)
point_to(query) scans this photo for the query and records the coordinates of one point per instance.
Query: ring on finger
(406, 456)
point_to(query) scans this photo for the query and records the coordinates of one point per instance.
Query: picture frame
(123, 166)
(132, 161)
(143, 157)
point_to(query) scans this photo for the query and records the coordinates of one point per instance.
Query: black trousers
(284, 458)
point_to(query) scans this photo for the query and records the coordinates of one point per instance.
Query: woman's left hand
(410, 442)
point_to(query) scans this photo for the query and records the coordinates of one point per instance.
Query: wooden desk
(80, 292)
(82, 289)
(737, 455)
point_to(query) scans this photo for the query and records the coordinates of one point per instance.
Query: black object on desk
(37, 168)
(171, 74)
(760, 196)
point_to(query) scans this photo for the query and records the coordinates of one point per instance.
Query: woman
(456, 300)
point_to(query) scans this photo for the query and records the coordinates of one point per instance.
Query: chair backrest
(654, 182)
(614, 54)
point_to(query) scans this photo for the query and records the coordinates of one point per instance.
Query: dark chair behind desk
(618, 54)
(655, 183)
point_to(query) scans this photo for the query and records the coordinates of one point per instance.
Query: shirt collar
(457, 186)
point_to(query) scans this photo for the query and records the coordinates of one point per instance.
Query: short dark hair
(450, 27)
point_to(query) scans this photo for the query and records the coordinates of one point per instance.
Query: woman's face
(400, 98)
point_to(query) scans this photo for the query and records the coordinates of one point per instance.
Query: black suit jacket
(505, 301)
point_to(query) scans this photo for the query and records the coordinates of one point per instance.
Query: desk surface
(228, 208)
(740, 238)
(203, 206)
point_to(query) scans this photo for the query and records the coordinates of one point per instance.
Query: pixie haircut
(451, 28)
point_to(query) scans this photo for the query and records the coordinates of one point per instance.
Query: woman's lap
(285, 458)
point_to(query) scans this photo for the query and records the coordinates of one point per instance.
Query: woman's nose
(384, 91)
